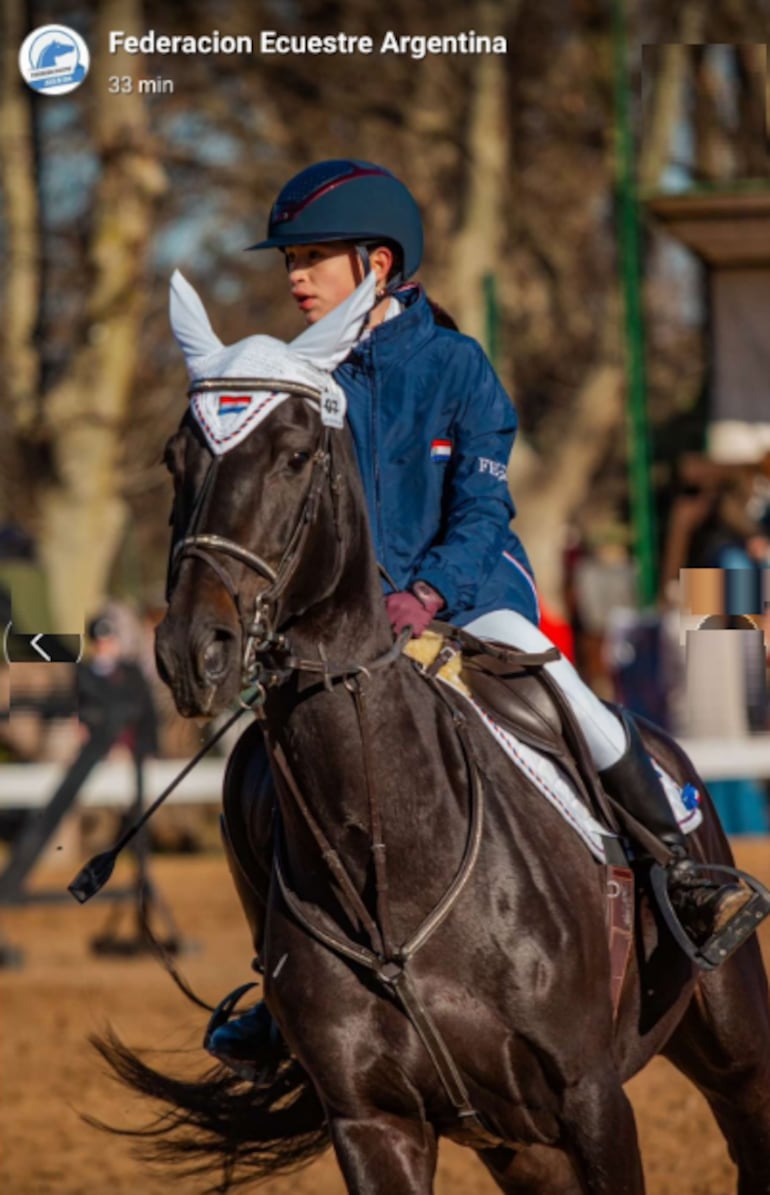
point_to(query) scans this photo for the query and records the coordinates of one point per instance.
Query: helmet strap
(363, 252)
(386, 288)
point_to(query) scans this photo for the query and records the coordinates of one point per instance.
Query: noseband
(260, 629)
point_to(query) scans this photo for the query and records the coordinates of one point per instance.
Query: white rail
(30, 786)
(730, 759)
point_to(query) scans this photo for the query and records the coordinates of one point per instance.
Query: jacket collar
(415, 323)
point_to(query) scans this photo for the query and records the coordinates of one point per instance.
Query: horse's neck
(393, 745)
(393, 749)
(350, 624)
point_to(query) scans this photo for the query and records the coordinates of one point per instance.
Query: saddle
(513, 689)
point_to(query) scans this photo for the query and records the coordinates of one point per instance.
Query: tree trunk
(663, 116)
(478, 246)
(549, 491)
(83, 512)
(751, 63)
(21, 365)
(714, 156)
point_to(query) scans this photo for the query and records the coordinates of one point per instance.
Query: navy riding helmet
(346, 200)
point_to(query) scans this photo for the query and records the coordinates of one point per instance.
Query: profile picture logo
(54, 59)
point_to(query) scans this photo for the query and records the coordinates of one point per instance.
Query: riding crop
(94, 875)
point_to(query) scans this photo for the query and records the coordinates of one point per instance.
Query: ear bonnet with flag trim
(227, 418)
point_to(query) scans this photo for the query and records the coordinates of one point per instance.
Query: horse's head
(267, 509)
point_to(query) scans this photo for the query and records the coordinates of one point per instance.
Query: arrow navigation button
(42, 648)
(35, 644)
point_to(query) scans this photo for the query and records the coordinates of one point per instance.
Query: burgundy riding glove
(415, 607)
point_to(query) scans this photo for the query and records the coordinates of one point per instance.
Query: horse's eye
(298, 460)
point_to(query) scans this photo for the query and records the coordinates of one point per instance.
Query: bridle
(260, 627)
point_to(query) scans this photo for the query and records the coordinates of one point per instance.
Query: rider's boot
(250, 1044)
(705, 910)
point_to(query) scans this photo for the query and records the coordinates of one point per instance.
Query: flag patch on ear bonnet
(226, 419)
(233, 404)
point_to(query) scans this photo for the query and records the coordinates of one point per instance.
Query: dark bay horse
(274, 564)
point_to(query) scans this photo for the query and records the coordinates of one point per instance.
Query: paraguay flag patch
(440, 450)
(233, 404)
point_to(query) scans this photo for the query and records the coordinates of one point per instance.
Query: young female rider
(433, 430)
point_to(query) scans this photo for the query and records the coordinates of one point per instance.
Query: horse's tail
(219, 1124)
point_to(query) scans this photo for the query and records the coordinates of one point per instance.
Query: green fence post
(642, 504)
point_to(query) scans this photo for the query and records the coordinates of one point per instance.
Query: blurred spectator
(719, 518)
(601, 580)
(637, 660)
(728, 537)
(114, 699)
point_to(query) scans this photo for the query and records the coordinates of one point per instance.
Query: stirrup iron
(223, 1011)
(718, 948)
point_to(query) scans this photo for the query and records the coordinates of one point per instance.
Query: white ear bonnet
(227, 416)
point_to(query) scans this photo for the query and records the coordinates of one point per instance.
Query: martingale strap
(390, 964)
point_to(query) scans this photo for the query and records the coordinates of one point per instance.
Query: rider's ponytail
(442, 317)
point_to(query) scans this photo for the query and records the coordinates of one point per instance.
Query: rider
(433, 430)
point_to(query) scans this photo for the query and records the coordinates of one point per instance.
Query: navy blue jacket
(433, 430)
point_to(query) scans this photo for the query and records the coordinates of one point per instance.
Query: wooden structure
(730, 233)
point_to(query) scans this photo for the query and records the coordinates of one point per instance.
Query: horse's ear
(189, 321)
(329, 341)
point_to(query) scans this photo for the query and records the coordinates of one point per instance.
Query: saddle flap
(511, 688)
(517, 700)
(521, 698)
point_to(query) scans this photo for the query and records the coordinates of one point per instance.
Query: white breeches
(604, 732)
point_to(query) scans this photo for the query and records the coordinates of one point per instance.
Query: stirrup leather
(718, 948)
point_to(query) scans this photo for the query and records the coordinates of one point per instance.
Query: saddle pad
(557, 789)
